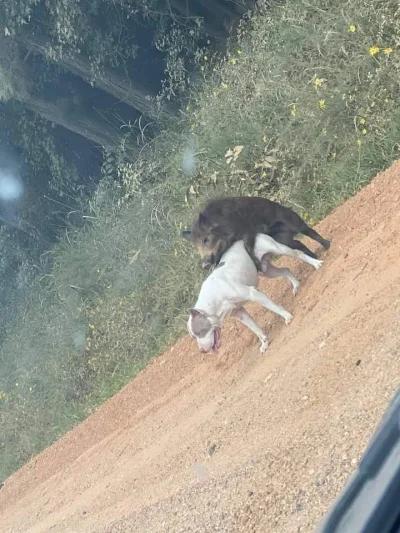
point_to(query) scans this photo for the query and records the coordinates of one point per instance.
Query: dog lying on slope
(233, 284)
(226, 220)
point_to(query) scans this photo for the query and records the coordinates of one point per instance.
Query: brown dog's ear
(203, 220)
(205, 223)
(187, 234)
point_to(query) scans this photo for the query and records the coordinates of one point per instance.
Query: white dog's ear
(187, 234)
(195, 312)
(200, 324)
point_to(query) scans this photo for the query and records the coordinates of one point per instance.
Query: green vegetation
(303, 108)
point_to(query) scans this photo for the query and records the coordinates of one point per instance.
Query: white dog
(232, 284)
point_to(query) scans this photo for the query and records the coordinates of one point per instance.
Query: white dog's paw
(317, 263)
(288, 318)
(295, 287)
(264, 346)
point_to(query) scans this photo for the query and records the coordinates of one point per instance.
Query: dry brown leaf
(262, 164)
(233, 154)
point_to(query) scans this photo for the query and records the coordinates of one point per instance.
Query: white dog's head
(206, 329)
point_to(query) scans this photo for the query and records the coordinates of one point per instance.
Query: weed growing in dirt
(302, 109)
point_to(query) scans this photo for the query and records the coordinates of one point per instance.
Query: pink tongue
(217, 340)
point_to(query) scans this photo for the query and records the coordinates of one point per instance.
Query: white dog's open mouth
(217, 340)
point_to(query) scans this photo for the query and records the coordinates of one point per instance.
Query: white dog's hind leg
(241, 315)
(259, 297)
(282, 249)
(271, 271)
(316, 263)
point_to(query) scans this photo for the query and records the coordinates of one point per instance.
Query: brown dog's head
(209, 240)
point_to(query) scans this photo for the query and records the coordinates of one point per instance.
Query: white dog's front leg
(272, 271)
(259, 297)
(241, 315)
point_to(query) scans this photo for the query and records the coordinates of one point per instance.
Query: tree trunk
(79, 121)
(110, 81)
(64, 113)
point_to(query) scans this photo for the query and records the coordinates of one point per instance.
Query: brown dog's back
(244, 214)
(226, 220)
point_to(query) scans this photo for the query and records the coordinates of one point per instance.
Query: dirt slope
(241, 442)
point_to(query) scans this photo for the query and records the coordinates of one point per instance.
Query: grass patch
(305, 100)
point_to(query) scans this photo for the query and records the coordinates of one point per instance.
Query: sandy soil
(239, 441)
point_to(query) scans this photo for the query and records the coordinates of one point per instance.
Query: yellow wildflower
(319, 81)
(238, 52)
(233, 61)
(362, 120)
(374, 50)
(352, 28)
(205, 58)
(293, 110)
(359, 142)
(224, 85)
(265, 138)
(322, 104)
(364, 131)
(387, 51)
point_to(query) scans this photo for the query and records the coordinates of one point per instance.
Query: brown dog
(226, 220)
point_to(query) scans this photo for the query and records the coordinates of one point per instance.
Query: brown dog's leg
(249, 241)
(291, 220)
(315, 236)
(297, 245)
(288, 239)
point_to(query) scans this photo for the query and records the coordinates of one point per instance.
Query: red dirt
(239, 441)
